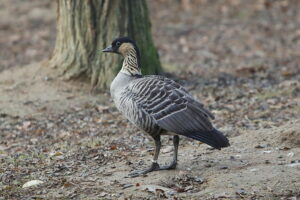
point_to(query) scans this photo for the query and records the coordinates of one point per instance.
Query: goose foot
(152, 168)
(170, 166)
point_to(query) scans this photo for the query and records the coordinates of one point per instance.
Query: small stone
(32, 183)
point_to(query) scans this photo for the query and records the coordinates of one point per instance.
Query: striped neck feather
(131, 63)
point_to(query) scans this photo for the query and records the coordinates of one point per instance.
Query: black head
(117, 43)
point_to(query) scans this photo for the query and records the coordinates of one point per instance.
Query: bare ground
(241, 60)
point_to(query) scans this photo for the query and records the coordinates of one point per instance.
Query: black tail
(213, 138)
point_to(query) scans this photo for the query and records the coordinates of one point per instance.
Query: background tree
(86, 27)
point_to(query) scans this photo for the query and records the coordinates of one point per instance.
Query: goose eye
(118, 44)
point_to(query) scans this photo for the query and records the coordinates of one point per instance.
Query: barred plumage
(159, 105)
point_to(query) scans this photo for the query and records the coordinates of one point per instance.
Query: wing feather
(175, 110)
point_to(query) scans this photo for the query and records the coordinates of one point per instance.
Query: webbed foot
(154, 167)
(170, 166)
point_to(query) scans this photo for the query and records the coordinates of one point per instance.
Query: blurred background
(251, 46)
(198, 36)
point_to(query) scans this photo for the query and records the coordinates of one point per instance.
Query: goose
(159, 106)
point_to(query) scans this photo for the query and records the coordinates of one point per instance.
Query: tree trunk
(85, 27)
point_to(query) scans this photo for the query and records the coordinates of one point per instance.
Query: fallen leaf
(103, 194)
(102, 109)
(284, 148)
(26, 125)
(67, 184)
(260, 146)
(291, 154)
(156, 188)
(190, 187)
(127, 186)
(167, 149)
(267, 151)
(113, 147)
(180, 190)
(253, 170)
(55, 154)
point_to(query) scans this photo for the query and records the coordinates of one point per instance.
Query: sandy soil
(240, 64)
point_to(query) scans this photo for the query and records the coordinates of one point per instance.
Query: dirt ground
(240, 58)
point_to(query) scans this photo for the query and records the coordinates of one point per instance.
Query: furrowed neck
(131, 63)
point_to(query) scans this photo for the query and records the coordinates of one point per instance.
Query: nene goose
(159, 105)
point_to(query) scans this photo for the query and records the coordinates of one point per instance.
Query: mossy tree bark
(86, 27)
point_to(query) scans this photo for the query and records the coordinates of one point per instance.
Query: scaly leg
(174, 161)
(154, 166)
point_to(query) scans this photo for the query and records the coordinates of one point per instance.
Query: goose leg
(174, 161)
(154, 166)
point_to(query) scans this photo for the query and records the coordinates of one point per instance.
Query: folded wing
(175, 110)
